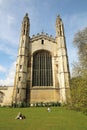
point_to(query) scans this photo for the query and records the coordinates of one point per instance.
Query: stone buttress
(20, 83)
(63, 68)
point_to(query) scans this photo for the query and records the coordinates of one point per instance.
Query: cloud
(10, 73)
(1, 2)
(2, 69)
(8, 34)
(73, 23)
(7, 31)
(11, 51)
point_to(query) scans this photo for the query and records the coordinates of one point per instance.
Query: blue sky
(42, 14)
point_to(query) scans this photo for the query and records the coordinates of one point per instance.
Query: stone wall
(44, 95)
(7, 95)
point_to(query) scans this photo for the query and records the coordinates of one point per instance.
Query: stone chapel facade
(42, 69)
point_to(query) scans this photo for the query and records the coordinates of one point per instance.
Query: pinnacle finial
(58, 16)
(42, 31)
(26, 14)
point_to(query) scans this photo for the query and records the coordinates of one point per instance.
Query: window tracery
(42, 69)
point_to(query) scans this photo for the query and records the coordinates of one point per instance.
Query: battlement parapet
(42, 36)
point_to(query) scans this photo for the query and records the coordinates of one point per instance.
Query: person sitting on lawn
(20, 116)
(49, 109)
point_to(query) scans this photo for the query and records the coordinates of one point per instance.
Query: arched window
(1, 96)
(42, 69)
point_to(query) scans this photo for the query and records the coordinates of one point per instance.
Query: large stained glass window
(42, 69)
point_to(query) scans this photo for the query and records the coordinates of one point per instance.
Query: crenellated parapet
(3, 88)
(42, 36)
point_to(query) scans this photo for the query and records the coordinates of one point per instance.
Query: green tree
(79, 92)
(79, 81)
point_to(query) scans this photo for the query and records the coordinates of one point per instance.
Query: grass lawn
(39, 119)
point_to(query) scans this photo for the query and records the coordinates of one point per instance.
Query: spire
(26, 17)
(25, 25)
(59, 26)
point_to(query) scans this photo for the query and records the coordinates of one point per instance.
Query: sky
(42, 15)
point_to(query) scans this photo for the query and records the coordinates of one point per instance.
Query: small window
(19, 78)
(20, 57)
(1, 97)
(42, 41)
(20, 66)
(17, 90)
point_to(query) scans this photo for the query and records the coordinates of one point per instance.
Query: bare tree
(80, 41)
(79, 81)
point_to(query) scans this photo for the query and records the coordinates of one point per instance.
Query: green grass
(39, 119)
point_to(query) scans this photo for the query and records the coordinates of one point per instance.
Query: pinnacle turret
(19, 93)
(25, 25)
(59, 26)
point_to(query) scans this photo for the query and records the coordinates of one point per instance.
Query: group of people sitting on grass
(20, 116)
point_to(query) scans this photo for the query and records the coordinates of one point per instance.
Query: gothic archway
(42, 69)
(1, 96)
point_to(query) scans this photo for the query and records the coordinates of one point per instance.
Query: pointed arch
(42, 69)
(1, 96)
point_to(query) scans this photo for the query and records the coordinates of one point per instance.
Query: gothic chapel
(42, 70)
